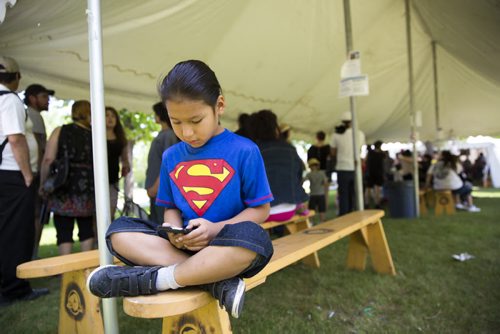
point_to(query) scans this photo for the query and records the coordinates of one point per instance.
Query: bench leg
(79, 310)
(310, 260)
(423, 204)
(379, 249)
(371, 239)
(357, 251)
(207, 319)
(444, 203)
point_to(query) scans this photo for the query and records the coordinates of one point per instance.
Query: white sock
(166, 280)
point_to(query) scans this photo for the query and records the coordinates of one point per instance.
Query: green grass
(431, 293)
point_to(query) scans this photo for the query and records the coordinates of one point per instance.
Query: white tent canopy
(283, 55)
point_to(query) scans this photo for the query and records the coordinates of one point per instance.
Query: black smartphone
(173, 229)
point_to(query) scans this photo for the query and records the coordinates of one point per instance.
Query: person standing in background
(17, 192)
(36, 98)
(75, 199)
(321, 151)
(375, 176)
(318, 182)
(117, 151)
(343, 151)
(165, 138)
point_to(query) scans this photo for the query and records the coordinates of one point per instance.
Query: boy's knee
(119, 239)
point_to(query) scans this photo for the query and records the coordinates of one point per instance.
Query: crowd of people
(200, 176)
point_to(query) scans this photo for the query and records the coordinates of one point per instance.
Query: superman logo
(201, 181)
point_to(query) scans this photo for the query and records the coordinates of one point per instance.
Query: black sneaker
(115, 281)
(230, 293)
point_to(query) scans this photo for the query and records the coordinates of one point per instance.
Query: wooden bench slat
(59, 264)
(179, 302)
(287, 250)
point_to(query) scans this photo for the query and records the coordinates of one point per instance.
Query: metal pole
(101, 180)
(436, 95)
(414, 133)
(354, 123)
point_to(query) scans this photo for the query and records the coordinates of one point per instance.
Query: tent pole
(355, 140)
(436, 95)
(414, 133)
(100, 154)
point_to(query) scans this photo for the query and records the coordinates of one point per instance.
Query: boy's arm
(172, 217)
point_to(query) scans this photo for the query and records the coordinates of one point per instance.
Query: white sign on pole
(352, 82)
(355, 86)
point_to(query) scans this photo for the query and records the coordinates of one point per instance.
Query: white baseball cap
(346, 116)
(8, 65)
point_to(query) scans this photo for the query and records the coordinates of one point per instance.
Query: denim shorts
(245, 234)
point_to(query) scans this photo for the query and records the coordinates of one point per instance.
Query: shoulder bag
(58, 173)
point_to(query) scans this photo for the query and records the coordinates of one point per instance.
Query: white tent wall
(283, 55)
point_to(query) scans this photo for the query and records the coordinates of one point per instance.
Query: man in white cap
(17, 192)
(342, 149)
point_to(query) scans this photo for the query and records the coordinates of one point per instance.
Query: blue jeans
(245, 234)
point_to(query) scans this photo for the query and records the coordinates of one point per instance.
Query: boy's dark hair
(320, 135)
(378, 144)
(193, 80)
(162, 113)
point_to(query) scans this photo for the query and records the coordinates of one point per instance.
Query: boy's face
(195, 122)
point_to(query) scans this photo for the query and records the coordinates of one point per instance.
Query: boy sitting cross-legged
(212, 182)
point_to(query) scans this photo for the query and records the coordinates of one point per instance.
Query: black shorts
(64, 228)
(318, 203)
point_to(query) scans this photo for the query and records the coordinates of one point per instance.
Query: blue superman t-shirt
(216, 181)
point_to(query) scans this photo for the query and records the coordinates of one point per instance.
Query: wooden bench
(422, 199)
(79, 310)
(444, 202)
(195, 310)
(296, 224)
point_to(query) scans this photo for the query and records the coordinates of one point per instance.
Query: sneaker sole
(95, 271)
(238, 298)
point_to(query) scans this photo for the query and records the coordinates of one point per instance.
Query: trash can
(401, 198)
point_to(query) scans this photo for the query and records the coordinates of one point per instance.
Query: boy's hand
(172, 237)
(203, 232)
